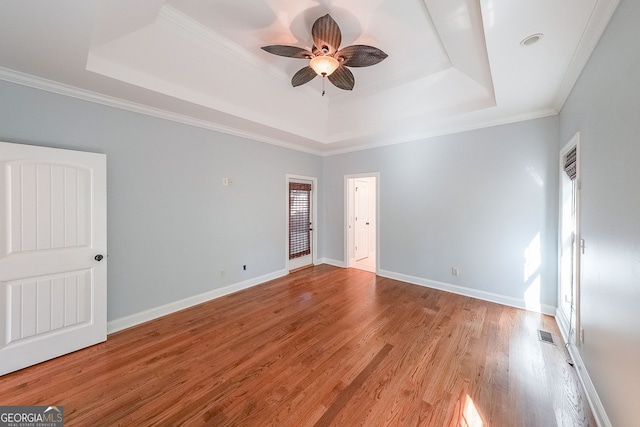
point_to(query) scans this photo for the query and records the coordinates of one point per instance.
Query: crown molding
(207, 38)
(214, 42)
(110, 101)
(443, 131)
(600, 17)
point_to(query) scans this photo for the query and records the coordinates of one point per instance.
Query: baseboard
(602, 419)
(333, 262)
(153, 313)
(468, 292)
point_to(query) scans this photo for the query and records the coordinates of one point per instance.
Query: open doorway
(301, 213)
(361, 240)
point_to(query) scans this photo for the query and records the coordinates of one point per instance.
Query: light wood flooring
(321, 347)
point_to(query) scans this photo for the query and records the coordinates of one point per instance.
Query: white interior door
(53, 265)
(361, 224)
(361, 208)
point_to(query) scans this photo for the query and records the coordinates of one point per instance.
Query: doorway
(361, 242)
(570, 244)
(301, 214)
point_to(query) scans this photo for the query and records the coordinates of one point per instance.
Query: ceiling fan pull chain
(323, 78)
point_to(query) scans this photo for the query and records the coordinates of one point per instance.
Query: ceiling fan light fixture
(324, 65)
(326, 57)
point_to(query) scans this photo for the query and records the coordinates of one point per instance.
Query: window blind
(571, 162)
(299, 219)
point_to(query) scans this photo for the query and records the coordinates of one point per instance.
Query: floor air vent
(545, 337)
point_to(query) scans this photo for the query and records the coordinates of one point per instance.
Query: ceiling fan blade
(303, 76)
(360, 55)
(288, 51)
(342, 78)
(326, 34)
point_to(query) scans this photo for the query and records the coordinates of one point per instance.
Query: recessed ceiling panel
(453, 65)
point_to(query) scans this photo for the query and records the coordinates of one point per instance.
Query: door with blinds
(300, 223)
(570, 244)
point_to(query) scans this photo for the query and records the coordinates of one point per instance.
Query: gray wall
(171, 224)
(605, 107)
(473, 200)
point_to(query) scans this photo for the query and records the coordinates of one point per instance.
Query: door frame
(572, 321)
(314, 216)
(348, 233)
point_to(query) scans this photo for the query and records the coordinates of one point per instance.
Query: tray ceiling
(452, 66)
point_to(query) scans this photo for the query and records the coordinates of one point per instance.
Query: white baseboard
(333, 262)
(153, 313)
(468, 292)
(602, 419)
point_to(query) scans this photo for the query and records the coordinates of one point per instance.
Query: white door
(569, 236)
(361, 219)
(300, 223)
(53, 265)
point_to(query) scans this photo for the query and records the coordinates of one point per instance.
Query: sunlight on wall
(535, 175)
(532, 263)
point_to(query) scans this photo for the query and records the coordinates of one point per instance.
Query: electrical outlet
(455, 271)
(221, 274)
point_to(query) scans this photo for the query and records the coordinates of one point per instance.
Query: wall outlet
(455, 271)
(221, 274)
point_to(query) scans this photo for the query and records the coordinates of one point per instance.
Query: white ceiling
(453, 65)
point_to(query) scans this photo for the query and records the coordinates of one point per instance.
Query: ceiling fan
(325, 57)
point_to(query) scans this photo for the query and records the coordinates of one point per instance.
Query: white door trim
(575, 141)
(348, 236)
(314, 216)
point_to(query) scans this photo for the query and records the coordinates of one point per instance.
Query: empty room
(252, 213)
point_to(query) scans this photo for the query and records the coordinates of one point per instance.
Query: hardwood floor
(324, 346)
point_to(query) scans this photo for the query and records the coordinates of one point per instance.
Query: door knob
(98, 257)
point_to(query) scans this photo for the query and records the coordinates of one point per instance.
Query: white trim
(172, 307)
(28, 80)
(203, 35)
(122, 104)
(346, 238)
(600, 17)
(314, 217)
(468, 292)
(434, 131)
(333, 262)
(575, 141)
(597, 408)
